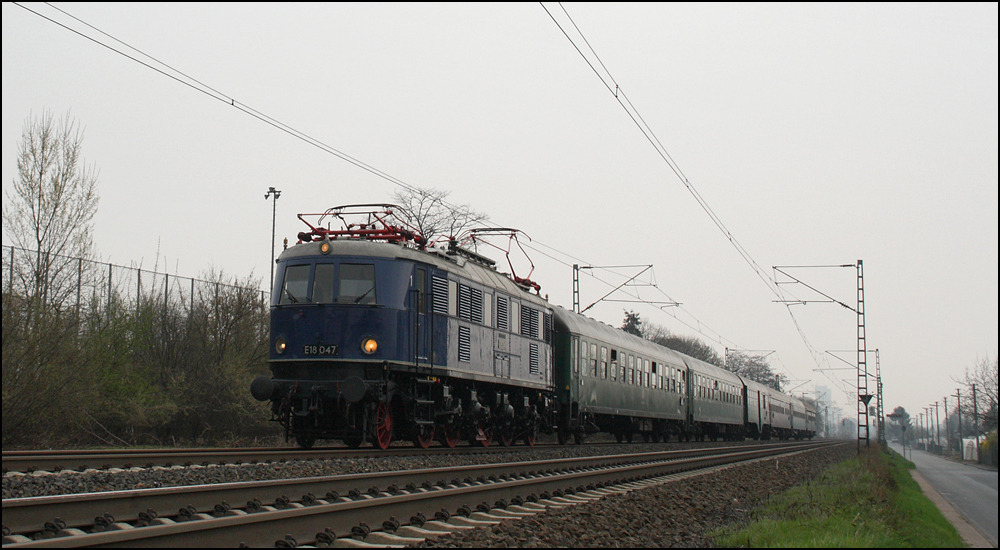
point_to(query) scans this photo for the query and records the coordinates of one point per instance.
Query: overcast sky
(818, 134)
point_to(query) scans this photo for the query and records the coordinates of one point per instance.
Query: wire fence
(90, 287)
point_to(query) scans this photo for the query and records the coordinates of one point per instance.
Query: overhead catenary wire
(619, 94)
(650, 136)
(197, 85)
(218, 95)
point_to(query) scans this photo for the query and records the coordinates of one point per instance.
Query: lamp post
(274, 211)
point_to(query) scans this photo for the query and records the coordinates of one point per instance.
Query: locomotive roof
(457, 265)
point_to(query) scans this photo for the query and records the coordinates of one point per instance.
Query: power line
(650, 136)
(195, 84)
(223, 97)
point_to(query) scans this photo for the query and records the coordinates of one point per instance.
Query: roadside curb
(970, 535)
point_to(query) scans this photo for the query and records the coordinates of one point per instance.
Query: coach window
(574, 354)
(296, 285)
(357, 284)
(583, 357)
(323, 284)
(614, 365)
(604, 362)
(593, 360)
(645, 374)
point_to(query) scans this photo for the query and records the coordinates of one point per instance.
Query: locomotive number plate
(319, 350)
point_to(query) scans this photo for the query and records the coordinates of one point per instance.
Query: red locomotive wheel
(506, 437)
(483, 436)
(532, 436)
(425, 437)
(383, 426)
(450, 435)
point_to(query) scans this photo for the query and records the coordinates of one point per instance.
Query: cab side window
(295, 289)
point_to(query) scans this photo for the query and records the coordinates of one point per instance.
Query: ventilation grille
(548, 327)
(439, 286)
(533, 358)
(470, 304)
(464, 305)
(465, 344)
(529, 322)
(502, 321)
(476, 296)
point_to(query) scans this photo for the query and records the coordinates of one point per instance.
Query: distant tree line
(746, 365)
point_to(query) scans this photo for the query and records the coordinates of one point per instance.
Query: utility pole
(930, 430)
(863, 427)
(863, 396)
(923, 430)
(937, 423)
(880, 420)
(947, 428)
(975, 414)
(576, 288)
(274, 213)
(958, 395)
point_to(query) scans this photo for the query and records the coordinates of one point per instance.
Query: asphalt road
(969, 489)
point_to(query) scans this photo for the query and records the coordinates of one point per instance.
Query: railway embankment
(869, 501)
(684, 513)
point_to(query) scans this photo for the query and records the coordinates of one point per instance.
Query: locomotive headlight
(280, 345)
(325, 248)
(369, 346)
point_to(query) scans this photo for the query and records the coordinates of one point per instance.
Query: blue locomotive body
(372, 341)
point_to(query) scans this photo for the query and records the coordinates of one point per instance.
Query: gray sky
(819, 134)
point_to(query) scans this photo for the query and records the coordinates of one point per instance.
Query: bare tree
(984, 376)
(754, 367)
(434, 216)
(688, 345)
(52, 203)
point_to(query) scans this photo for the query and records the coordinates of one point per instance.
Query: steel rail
(341, 516)
(28, 515)
(51, 461)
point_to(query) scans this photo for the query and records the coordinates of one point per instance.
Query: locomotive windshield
(331, 283)
(357, 284)
(323, 285)
(296, 286)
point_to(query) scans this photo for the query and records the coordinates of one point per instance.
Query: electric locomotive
(377, 336)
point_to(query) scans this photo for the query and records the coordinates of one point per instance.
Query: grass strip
(869, 501)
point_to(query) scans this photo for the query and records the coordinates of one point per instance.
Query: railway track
(329, 509)
(80, 460)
